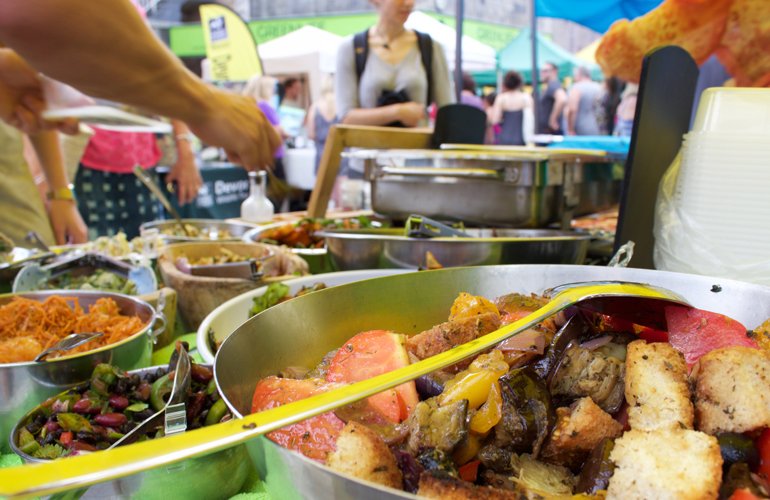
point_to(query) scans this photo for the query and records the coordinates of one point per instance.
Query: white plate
(235, 312)
(108, 118)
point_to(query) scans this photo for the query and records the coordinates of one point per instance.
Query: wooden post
(357, 136)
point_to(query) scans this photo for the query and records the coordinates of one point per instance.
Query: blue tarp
(595, 14)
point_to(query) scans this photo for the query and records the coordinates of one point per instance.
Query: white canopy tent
(308, 50)
(477, 56)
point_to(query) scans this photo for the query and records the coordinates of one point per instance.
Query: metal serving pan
(406, 303)
(514, 189)
(24, 385)
(352, 249)
(236, 229)
(219, 475)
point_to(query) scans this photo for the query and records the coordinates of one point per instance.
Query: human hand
(186, 175)
(22, 100)
(67, 224)
(236, 124)
(553, 125)
(411, 113)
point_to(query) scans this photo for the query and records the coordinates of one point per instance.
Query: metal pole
(459, 48)
(535, 75)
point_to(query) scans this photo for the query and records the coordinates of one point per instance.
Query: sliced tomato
(315, 437)
(743, 495)
(368, 355)
(694, 332)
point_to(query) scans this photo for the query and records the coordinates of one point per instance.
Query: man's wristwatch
(62, 194)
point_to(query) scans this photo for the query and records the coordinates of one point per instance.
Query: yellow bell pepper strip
(490, 412)
(467, 306)
(475, 383)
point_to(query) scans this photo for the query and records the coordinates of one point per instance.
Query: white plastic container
(257, 208)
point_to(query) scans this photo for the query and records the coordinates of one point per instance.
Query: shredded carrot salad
(28, 327)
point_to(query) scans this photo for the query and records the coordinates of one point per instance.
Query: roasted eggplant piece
(494, 457)
(432, 384)
(737, 478)
(411, 469)
(598, 469)
(584, 373)
(528, 417)
(737, 448)
(437, 427)
(545, 365)
(436, 459)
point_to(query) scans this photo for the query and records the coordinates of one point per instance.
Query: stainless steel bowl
(407, 303)
(21, 257)
(236, 229)
(315, 257)
(24, 385)
(218, 475)
(351, 249)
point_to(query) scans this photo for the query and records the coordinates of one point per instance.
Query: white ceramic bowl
(233, 313)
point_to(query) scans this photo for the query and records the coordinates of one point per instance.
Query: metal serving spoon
(645, 302)
(152, 186)
(69, 342)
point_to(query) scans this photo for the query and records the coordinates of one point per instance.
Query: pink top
(118, 152)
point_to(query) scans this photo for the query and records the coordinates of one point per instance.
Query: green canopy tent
(517, 55)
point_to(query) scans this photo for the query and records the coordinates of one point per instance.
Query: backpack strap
(425, 43)
(361, 51)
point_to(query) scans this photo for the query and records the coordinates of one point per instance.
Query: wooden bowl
(199, 295)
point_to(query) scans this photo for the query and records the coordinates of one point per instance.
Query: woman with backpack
(389, 74)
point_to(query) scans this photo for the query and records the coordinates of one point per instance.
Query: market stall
(505, 368)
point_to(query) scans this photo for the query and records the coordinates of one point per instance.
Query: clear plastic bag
(683, 245)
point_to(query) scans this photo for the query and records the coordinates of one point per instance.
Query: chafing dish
(494, 187)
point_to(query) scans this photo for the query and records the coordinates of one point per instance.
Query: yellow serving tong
(640, 302)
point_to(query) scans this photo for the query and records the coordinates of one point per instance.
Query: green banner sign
(188, 40)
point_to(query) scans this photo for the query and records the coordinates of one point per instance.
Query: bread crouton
(439, 484)
(666, 464)
(362, 454)
(577, 432)
(656, 387)
(732, 390)
(445, 336)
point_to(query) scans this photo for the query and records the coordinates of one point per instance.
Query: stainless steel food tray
(352, 249)
(514, 189)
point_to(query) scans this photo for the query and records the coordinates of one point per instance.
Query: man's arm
(559, 101)
(65, 218)
(573, 104)
(105, 50)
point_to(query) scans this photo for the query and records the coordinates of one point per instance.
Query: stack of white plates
(723, 184)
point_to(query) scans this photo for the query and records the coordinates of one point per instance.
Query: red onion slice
(594, 344)
(183, 265)
(526, 341)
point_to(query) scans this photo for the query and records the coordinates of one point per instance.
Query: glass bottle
(257, 208)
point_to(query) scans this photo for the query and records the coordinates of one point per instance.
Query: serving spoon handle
(61, 475)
